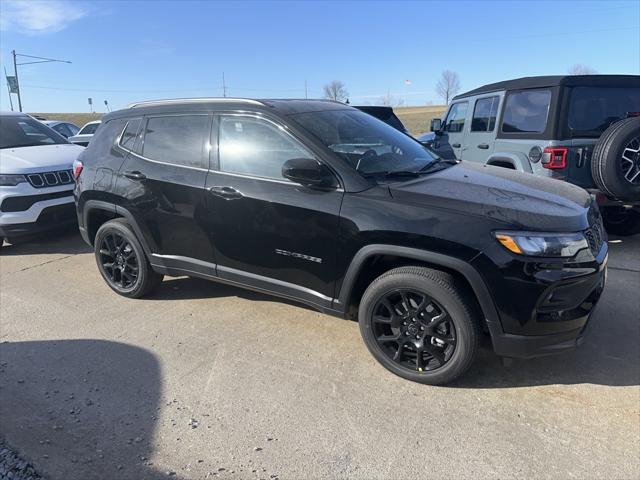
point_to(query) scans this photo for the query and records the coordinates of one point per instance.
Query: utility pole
(39, 60)
(8, 89)
(15, 73)
(306, 96)
(224, 86)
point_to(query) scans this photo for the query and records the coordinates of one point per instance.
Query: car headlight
(542, 244)
(11, 180)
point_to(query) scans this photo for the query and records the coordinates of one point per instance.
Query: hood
(40, 158)
(515, 199)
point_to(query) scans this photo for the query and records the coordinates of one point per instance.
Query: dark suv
(321, 203)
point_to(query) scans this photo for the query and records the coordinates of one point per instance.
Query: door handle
(228, 193)
(455, 145)
(135, 175)
(483, 146)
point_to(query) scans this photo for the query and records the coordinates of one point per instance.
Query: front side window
(62, 129)
(256, 147)
(21, 131)
(128, 139)
(593, 109)
(454, 122)
(366, 143)
(177, 139)
(526, 111)
(484, 114)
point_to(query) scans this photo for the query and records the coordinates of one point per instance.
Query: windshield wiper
(393, 173)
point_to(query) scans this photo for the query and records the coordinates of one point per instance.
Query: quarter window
(179, 139)
(526, 111)
(130, 134)
(454, 122)
(255, 147)
(484, 114)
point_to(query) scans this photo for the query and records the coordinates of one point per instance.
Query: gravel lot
(208, 381)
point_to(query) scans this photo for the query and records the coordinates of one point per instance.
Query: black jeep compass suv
(321, 203)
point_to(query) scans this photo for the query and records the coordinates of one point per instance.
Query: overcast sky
(124, 51)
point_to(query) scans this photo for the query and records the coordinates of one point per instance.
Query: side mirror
(436, 124)
(308, 172)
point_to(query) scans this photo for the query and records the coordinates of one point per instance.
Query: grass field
(416, 119)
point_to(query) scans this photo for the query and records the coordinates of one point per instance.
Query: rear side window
(179, 139)
(256, 147)
(484, 114)
(128, 139)
(593, 109)
(62, 129)
(89, 129)
(526, 111)
(454, 122)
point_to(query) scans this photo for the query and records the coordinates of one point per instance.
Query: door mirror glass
(436, 124)
(307, 171)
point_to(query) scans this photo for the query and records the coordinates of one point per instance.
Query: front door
(450, 137)
(268, 232)
(479, 141)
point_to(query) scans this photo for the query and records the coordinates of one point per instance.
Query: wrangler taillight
(555, 157)
(77, 168)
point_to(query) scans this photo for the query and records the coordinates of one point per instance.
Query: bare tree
(448, 85)
(389, 100)
(581, 69)
(336, 90)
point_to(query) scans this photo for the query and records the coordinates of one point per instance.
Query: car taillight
(555, 157)
(77, 168)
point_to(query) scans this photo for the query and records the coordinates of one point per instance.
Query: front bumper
(50, 218)
(544, 308)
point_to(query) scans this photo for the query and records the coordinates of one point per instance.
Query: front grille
(20, 204)
(595, 234)
(50, 179)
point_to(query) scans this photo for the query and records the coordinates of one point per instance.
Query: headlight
(11, 180)
(543, 244)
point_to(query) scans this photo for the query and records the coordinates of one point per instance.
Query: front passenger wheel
(122, 261)
(419, 324)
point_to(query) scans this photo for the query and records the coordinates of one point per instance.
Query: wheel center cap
(119, 259)
(412, 329)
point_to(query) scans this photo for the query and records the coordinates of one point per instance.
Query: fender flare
(459, 266)
(117, 211)
(519, 161)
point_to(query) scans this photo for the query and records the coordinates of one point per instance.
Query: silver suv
(584, 129)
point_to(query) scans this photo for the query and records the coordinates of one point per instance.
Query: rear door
(479, 141)
(449, 143)
(163, 181)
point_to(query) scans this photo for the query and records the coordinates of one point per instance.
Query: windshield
(89, 129)
(366, 143)
(23, 131)
(593, 109)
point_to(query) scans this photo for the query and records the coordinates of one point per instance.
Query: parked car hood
(40, 158)
(515, 199)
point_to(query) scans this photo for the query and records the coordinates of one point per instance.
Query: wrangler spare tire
(615, 164)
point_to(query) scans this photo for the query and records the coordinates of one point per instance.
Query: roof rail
(193, 100)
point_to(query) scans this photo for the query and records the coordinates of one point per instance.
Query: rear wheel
(621, 221)
(122, 261)
(419, 324)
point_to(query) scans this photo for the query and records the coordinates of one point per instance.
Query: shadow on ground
(81, 409)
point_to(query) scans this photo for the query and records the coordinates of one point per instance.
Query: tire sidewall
(458, 314)
(124, 231)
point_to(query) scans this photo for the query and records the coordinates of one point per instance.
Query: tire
(615, 163)
(621, 221)
(445, 352)
(117, 244)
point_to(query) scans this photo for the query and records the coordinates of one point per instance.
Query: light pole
(39, 60)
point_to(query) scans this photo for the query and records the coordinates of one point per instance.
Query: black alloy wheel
(414, 330)
(118, 261)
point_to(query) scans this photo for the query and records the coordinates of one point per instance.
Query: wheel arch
(509, 160)
(369, 254)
